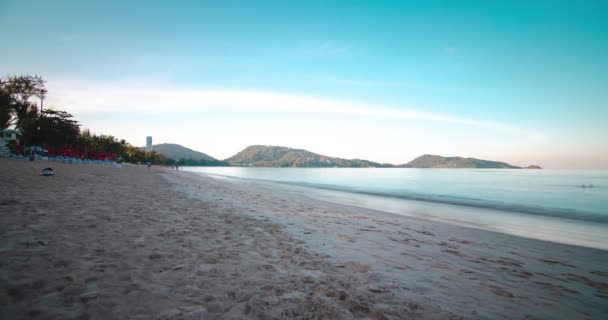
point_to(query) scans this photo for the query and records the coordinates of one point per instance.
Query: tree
(27, 119)
(24, 87)
(16, 106)
(6, 110)
(55, 128)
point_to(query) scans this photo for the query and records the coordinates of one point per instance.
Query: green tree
(6, 109)
(27, 119)
(16, 105)
(55, 128)
(24, 87)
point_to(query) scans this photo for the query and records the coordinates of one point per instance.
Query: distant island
(275, 156)
(434, 161)
(532, 167)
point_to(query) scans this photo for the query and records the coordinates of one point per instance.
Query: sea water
(567, 206)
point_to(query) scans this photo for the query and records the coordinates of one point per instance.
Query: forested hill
(273, 156)
(176, 151)
(434, 161)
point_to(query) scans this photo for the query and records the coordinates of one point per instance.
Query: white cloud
(137, 97)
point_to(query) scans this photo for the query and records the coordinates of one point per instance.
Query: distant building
(148, 143)
(6, 137)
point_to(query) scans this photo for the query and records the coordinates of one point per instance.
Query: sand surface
(102, 242)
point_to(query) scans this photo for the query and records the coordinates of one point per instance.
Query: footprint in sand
(357, 267)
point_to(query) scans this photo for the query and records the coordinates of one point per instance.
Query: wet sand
(102, 242)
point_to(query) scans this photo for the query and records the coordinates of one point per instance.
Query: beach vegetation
(202, 162)
(59, 134)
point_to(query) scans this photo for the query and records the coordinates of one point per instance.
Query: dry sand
(101, 242)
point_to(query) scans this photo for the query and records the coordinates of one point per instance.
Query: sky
(524, 82)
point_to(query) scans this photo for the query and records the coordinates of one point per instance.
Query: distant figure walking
(149, 164)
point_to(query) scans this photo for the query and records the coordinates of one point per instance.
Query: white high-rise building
(148, 143)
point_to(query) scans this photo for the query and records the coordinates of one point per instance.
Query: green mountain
(272, 156)
(434, 161)
(176, 151)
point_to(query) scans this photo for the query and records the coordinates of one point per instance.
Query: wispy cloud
(374, 83)
(137, 97)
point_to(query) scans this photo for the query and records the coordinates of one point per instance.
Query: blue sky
(519, 81)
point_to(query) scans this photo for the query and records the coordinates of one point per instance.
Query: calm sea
(556, 205)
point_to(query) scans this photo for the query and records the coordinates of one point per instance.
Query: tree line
(202, 162)
(57, 132)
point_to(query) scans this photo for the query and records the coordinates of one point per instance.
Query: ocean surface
(567, 206)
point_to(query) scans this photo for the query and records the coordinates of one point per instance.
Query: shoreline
(100, 242)
(557, 229)
(497, 270)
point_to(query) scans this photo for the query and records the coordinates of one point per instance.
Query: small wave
(452, 200)
(577, 186)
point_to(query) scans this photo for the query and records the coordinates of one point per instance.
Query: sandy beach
(106, 242)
